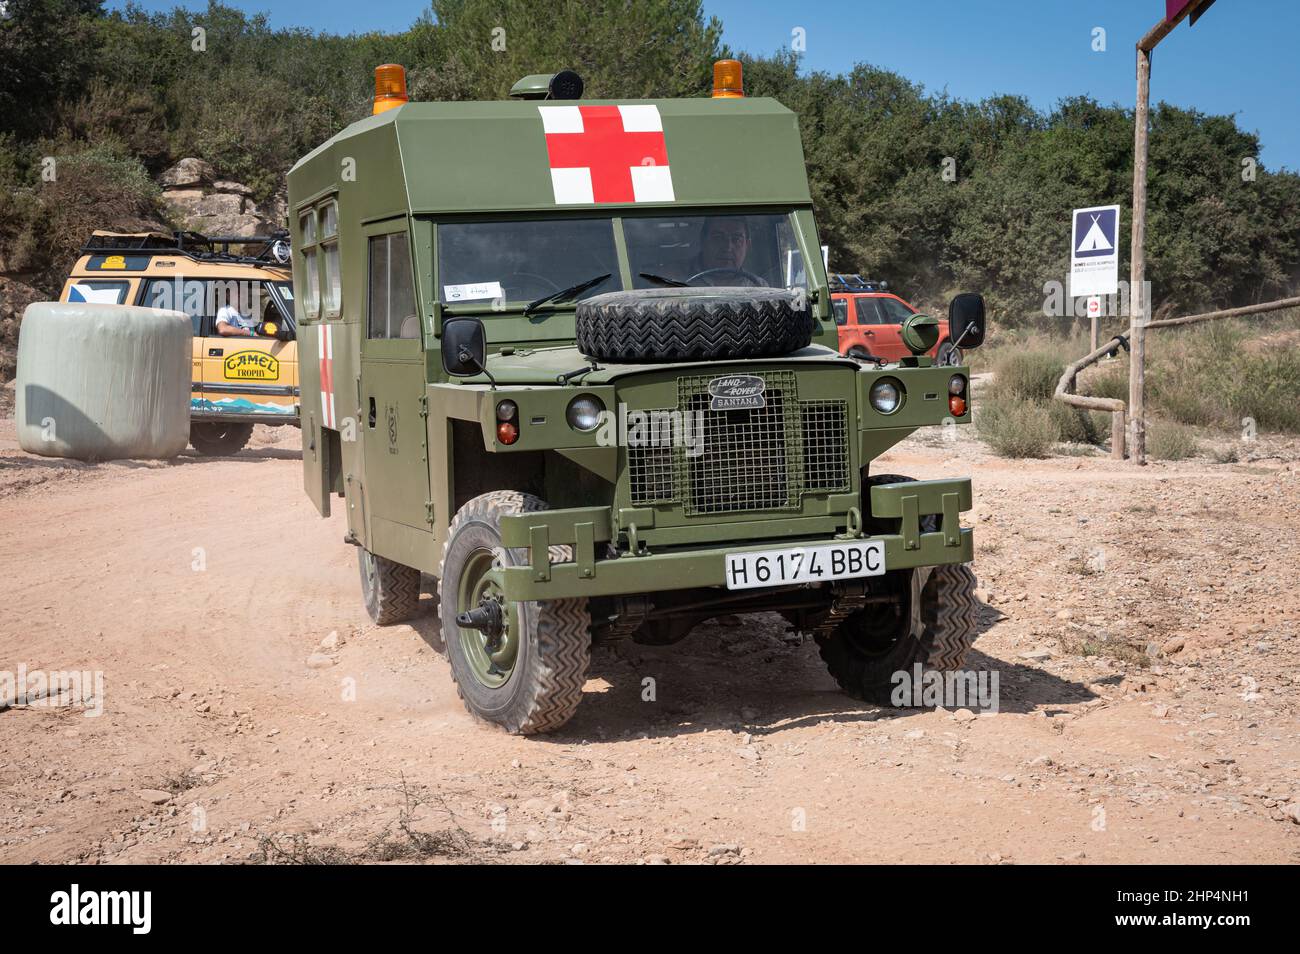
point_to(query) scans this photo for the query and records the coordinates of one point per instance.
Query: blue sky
(1242, 57)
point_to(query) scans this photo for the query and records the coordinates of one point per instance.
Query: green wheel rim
(491, 659)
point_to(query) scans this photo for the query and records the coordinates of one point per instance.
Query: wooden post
(1137, 395)
(1139, 307)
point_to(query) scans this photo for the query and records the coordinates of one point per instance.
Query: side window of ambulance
(841, 309)
(310, 267)
(391, 306)
(98, 293)
(329, 239)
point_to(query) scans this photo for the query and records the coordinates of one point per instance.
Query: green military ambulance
(576, 360)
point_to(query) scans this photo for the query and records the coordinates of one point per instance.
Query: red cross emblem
(607, 154)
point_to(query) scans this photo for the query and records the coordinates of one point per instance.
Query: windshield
(286, 295)
(756, 250)
(528, 260)
(523, 261)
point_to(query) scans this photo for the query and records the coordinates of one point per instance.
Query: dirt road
(201, 588)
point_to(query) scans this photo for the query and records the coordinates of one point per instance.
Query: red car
(869, 320)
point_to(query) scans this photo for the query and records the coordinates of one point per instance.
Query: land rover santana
(576, 361)
(245, 373)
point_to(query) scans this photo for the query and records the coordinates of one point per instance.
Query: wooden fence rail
(1115, 407)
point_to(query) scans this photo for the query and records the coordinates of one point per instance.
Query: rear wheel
(391, 590)
(520, 665)
(217, 438)
(948, 355)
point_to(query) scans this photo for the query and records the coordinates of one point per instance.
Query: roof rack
(271, 249)
(840, 282)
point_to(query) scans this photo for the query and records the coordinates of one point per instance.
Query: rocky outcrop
(187, 174)
(15, 296)
(204, 203)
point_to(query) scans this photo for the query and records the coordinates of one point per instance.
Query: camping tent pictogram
(1095, 240)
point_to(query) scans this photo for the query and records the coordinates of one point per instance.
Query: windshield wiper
(660, 280)
(563, 293)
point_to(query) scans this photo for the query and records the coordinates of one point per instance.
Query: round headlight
(506, 410)
(957, 384)
(584, 413)
(886, 396)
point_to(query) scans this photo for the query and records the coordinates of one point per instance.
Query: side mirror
(966, 320)
(464, 346)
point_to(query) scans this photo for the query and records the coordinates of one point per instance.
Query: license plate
(816, 564)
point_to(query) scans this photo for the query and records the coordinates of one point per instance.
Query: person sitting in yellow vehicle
(231, 322)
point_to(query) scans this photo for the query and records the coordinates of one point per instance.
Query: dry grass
(1169, 441)
(1016, 428)
(1226, 375)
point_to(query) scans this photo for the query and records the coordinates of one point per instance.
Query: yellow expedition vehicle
(245, 358)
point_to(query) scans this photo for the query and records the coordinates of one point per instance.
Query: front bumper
(589, 529)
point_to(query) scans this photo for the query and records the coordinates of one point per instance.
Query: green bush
(1029, 373)
(93, 187)
(1076, 425)
(1167, 440)
(1016, 428)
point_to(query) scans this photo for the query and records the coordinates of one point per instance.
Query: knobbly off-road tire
(391, 590)
(938, 625)
(218, 438)
(936, 632)
(693, 324)
(544, 685)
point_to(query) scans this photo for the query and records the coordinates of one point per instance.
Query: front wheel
(948, 355)
(934, 621)
(520, 665)
(867, 650)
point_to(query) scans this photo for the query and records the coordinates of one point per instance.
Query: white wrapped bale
(103, 382)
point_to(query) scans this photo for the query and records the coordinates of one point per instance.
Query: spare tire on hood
(693, 324)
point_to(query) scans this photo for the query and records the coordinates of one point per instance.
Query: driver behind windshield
(724, 247)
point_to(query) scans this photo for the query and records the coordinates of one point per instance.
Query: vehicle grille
(758, 459)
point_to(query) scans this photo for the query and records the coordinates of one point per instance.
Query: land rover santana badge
(736, 392)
